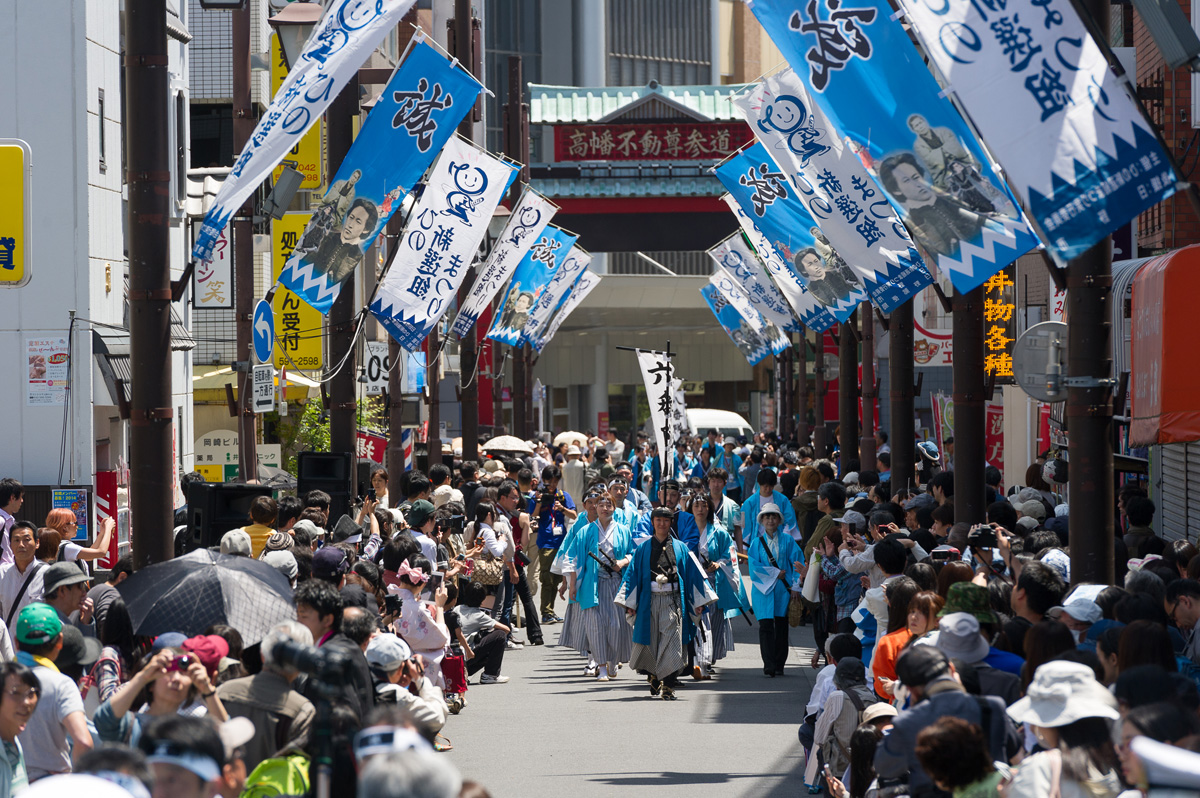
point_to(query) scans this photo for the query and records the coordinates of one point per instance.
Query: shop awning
(208, 384)
(112, 350)
(1166, 382)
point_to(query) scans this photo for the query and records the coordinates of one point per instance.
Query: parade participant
(665, 589)
(626, 509)
(731, 463)
(725, 510)
(639, 499)
(683, 525)
(597, 555)
(766, 494)
(775, 562)
(718, 557)
(552, 508)
(571, 635)
(684, 462)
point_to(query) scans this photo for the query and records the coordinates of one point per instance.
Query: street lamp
(294, 24)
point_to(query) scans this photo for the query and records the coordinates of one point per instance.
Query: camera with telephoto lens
(328, 666)
(982, 536)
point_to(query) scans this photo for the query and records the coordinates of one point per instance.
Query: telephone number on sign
(307, 362)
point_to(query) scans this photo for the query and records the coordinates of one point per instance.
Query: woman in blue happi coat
(718, 557)
(775, 562)
(593, 568)
(665, 589)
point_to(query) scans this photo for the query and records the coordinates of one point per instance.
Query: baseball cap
(919, 501)
(920, 665)
(282, 561)
(856, 519)
(309, 526)
(388, 651)
(968, 597)
(442, 494)
(1033, 508)
(77, 651)
(880, 709)
(236, 542)
(235, 733)
(209, 649)
(62, 574)
(1081, 609)
(959, 638)
(169, 640)
(420, 513)
(329, 561)
(38, 623)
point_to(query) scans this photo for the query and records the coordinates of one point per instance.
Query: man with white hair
(409, 773)
(279, 713)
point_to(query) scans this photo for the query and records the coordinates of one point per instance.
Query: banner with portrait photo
(739, 260)
(555, 293)
(858, 226)
(583, 286)
(416, 115)
(1069, 135)
(728, 285)
(531, 277)
(751, 344)
(532, 214)
(440, 241)
(858, 64)
(349, 31)
(764, 191)
(811, 313)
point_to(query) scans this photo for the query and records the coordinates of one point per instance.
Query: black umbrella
(190, 593)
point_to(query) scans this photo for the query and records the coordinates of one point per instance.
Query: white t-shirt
(10, 585)
(44, 739)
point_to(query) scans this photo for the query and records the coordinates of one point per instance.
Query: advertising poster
(49, 371)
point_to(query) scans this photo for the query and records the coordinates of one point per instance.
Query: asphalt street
(551, 731)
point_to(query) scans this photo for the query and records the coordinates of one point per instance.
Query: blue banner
(1076, 149)
(416, 115)
(531, 277)
(764, 192)
(860, 67)
(752, 345)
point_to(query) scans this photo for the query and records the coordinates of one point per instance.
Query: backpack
(282, 775)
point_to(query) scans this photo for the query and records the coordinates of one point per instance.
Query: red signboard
(710, 141)
(371, 445)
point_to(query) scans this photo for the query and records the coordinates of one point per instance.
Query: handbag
(454, 672)
(812, 582)
(795, 614)
(488, 570)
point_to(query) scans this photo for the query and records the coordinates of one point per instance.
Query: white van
(729, 424)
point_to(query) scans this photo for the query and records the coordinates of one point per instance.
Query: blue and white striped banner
(859, 65)
(736, 258)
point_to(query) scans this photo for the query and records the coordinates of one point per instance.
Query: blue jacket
(773, 602)
(727, 581)
(694, 591)
(587, 570)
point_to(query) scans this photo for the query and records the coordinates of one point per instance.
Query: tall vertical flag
(858, 64)
(525, 224)
(440, 241)
(416, 115)
(752, 345)
(532, 276)
(728, 286)
(551, 297)
(858, 226)
(811, 313)
(657, 373)
(758, 185)
(583, 286)
(736, 258)
(1069, 135)
(347, 34)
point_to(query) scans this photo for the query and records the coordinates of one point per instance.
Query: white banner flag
(860, 232)
(548, 301)
(739, 260)
(346, 35)
(441, 239)
(531, 216)
(728, 286)
(679, 411)
(658, 373)
(583, 286)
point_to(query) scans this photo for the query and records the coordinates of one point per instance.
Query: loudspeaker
(214, 508)
(332, 472)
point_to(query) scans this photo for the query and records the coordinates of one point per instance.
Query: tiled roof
(555, 105)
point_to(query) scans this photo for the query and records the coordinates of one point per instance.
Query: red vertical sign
(106, 507)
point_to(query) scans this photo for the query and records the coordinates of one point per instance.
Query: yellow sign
(15, 191)
(298, 325)
(305, 157)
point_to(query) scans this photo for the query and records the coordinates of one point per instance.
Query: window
(181, 139)
(100, 114)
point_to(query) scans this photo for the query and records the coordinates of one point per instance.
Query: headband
(170, 754)
(414, 575)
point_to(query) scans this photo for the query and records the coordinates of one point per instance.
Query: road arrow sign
(263, 331)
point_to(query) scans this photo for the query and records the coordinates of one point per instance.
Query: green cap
(970, 598)
(420, 512)
(38, 623)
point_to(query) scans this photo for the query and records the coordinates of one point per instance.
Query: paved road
(572, 736)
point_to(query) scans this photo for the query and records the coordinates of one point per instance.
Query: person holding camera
(400, 680)
(169, 680)
(553, 509)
